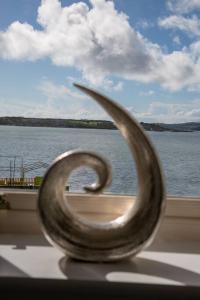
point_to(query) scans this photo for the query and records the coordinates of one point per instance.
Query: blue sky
(144, 53)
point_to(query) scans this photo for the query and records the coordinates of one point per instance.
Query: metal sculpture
(124, 236)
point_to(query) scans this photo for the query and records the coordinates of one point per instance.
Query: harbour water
(179, 154)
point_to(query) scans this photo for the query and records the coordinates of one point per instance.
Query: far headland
(94, 124)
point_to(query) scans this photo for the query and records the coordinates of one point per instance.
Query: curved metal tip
(83, 88)
(78, 85)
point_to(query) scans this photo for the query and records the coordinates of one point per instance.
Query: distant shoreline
(94, 124)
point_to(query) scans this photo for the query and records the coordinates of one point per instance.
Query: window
(142, 54)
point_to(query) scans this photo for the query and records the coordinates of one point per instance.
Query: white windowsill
(172, 259)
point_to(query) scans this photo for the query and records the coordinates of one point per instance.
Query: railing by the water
(20, 182)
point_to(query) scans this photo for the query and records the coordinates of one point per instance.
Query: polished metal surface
(119, 238)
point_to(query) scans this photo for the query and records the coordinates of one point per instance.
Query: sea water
(179, 154)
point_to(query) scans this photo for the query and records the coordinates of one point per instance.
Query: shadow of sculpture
(78, 270)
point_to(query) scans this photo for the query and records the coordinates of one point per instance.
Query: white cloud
(176, 40)
(72, 79)
(171, 112)
(118, 86)
(62, 102)
(72, 37)
(189, 25)
(57, 101)
(18, 107)
(196, 101)
(144, 24)
(53, 91)
(148, 93)
(183, 6)
(109, 85)
(85, 38)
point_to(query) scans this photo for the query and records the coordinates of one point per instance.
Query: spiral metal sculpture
(124, 236)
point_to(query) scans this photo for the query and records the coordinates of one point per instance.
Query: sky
(144, 54)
